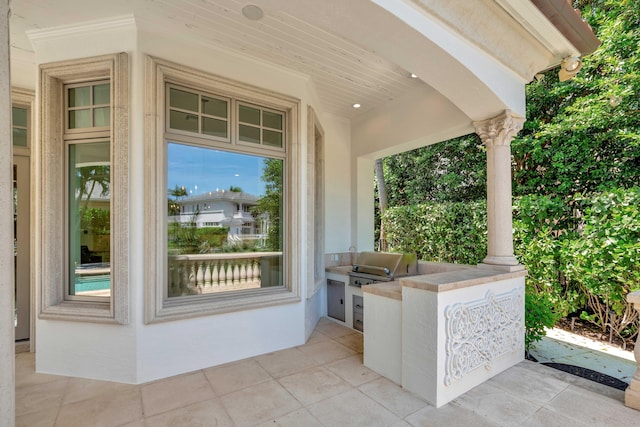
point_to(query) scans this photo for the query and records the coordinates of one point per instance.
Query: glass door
(21, 244)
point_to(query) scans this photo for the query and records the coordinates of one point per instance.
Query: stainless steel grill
(372, 267)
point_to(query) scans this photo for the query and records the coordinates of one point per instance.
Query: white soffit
(342, 72)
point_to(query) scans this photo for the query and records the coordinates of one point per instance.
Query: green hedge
(441, 232)
(582, 254)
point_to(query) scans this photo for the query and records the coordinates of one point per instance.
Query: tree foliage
(271, 204)
(583, 135)
(451, 171)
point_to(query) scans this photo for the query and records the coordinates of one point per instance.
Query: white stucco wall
(137, 352)
(75, 348)
(337, 190)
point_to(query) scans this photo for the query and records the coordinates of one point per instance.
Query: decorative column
(496, 134)
(632, 394)
(7, 331)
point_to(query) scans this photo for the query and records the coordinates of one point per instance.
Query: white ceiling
(342, 72)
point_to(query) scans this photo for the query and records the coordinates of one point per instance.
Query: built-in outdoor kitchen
(437, 329)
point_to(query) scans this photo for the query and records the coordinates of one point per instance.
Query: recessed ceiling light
(413, 76)
(356, 105)
(252, 12)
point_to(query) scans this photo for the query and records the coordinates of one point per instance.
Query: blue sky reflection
(200, 170)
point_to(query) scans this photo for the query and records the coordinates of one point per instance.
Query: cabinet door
(358, 313)
(335, 299)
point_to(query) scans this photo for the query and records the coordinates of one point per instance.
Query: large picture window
(221, 220)
(242, 195)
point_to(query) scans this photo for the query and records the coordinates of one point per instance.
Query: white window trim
(50, 153)
(158, 307)
(315, 204)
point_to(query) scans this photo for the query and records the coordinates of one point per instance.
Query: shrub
(429, 230)
(604, 260)
(582, 253)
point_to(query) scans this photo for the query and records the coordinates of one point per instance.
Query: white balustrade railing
(208, 273)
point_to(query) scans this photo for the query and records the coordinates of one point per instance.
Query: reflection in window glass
(214, 127)
(102, 116)
(19, 127)
(19, 116)
(271, 138)
(183, 100)
(249, 134)
(272, 120)
(89, 106)
(183, 121)
(214, 107)
(89, 219)
(79, 119)
(102, 94)
(224, 221)
(80, 96)
(249, 115)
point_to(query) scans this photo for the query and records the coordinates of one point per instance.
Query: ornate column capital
(499, 130)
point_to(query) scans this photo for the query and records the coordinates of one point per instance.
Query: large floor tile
(326, 351)
(297, 418)
(448, 416)
(166, 395)
(332, 329)
(103, 411)
(313, 385)
(82, 389)
(26, 374)
(550, 418)
(202, 414)
(236, 376)
(496, 405)
(528, 385)
(352, 370)
(353, 341)
(40, 397)
(351, 409)
(44, 418)
(260, 403)
(393, 397)
(593, 409)
(285, 362)
(317, 336)
(570, 379)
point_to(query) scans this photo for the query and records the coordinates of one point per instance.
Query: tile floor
(322, 383)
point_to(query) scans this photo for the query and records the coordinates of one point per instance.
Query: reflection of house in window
(227, 209)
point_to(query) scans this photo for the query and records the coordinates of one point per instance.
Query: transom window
(258, 125)
(195, 112)
(88, 106)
